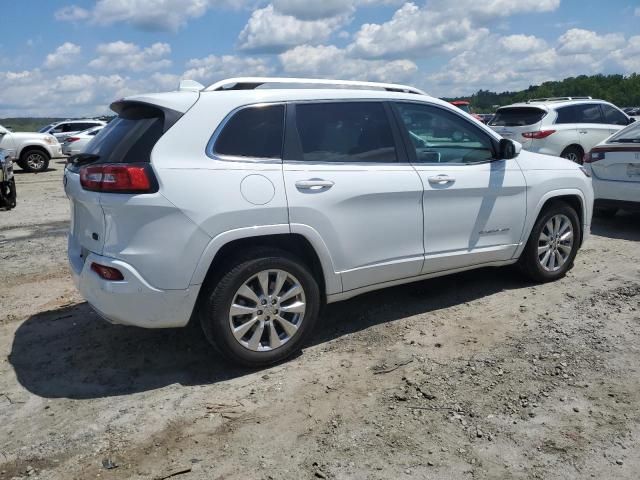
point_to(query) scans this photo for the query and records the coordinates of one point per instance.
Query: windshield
(631, 134)
(464, 108)
(517, 116)
(45, 129)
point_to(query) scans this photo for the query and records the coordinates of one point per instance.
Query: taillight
(539, 134)
(107, 273)
(118, 178)
(72, 139)
(593, 156)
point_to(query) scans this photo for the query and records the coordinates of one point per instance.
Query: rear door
(474, 206)
(348, 182)
(588, 122)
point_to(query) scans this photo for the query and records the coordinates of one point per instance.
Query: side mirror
(631, 120)
(508, 149)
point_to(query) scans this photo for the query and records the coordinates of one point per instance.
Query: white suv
(67, 128)
(247, 208)
(564, 126)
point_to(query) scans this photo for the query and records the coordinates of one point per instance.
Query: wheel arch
(312, 250)
(574, 145)
(28, 148)
(573, 197)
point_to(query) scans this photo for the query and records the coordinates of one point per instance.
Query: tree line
(623, 91)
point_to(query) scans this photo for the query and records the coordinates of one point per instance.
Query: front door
(474, 205)
(349, 184)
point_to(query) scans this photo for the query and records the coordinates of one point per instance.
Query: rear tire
(573, 153)
(546, 241)
(34, 160)
(262, 328)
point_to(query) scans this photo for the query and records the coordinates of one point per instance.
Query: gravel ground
(474, 376)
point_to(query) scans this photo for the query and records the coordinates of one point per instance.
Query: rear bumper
(131, 301)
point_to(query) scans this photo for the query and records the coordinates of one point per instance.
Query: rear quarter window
(517, 116)
(255, 132)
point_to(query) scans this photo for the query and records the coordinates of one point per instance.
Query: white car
(31, 151)
(615, 169)
(247, 208)
(62, 130)
(76, 143)
(564, 126)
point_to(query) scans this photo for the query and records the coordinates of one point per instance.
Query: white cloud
(314, 10)
(441, 26)
(116, 56)
(522, 43)
(64, 55)
(212, 68)
(333, 62)
(579, 41)
(144, 14)
(518, 61)
(72, 13)
(270, 31)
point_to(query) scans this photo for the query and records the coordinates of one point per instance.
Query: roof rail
(557, 99)
(250, 83)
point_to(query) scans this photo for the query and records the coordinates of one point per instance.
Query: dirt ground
(474, 376)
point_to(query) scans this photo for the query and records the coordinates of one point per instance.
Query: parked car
(7, 182)
(563, 126)
(247, 208)
(31, 151)
(76, 143)
(67, 128)
(615, 169)
(485, 117)
(465, 106)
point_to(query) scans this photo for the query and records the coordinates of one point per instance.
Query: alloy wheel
(35, 161)
(555, 243)
(267, 310)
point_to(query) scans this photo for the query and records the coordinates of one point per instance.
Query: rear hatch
(618, 159)
(126, 140)
(512, 122)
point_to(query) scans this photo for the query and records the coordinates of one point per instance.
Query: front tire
(553, 244)
(262, 310)
(34, 161)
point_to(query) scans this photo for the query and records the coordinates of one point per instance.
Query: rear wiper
(82, 159)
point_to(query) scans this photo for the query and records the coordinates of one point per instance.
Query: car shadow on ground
(19, 171)
(72, 353)
(623, 226)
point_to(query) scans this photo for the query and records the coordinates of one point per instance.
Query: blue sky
(68, 58)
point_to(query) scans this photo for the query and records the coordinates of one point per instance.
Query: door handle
(314, 184)
(582, 131)
(441, 179)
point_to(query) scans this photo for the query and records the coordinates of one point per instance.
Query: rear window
(253, 132)
(464, 108)
(631, 134)
(517, 116)
(130, 137)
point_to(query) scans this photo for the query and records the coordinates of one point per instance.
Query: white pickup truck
(31, 151)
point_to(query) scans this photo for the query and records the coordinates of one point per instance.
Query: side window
(253, 132)
(589, 113)
(440, 136)
(613, 116)
(567, 115)
(345, 132)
